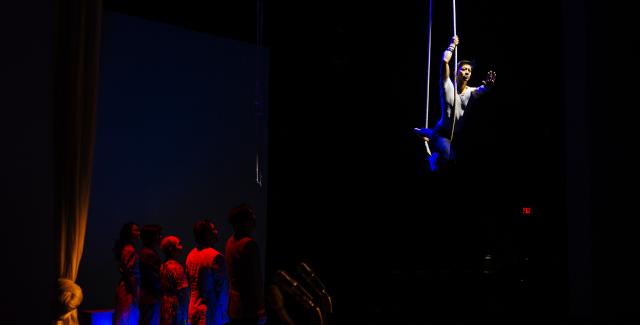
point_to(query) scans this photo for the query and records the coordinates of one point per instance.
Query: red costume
(172, 280)
(206, 272)
(126, 311)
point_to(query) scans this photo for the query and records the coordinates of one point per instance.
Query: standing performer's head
(171, 247)
(205, 233)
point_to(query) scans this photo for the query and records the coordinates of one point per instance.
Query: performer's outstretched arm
(487, 84)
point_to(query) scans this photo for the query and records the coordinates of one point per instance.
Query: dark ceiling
(229, 19)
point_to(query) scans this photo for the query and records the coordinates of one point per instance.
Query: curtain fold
(77, 27)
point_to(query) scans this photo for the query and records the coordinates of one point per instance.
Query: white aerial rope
(259, 100)
(455, 82)
(455, 74)
(426, 122)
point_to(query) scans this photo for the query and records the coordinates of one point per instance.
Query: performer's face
(251, 224)
(464, 72)
(177, 249)
(214, 234)
(171, 246)
(135, 232)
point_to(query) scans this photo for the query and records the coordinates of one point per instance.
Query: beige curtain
(77, 49)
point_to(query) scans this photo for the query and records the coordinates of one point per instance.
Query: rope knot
(68, 298)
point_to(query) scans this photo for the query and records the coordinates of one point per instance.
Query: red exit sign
(526, 211)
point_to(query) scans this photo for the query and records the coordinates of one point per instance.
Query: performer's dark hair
(240, 214)
(469, 62)
(124, 238)
(150, 233)
(200, 230)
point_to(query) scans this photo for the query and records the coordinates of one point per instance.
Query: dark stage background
(348, 86)
(348, 191)
(177, 138)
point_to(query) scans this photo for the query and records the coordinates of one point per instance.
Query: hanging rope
(259, 96)
(426, 122)
(455, 81)
(455, 73)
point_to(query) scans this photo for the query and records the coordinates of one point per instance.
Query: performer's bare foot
(424, 133)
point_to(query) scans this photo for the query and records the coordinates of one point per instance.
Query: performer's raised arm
(446, 57)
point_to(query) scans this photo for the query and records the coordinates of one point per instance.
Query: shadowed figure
(128, 290)
(246, 298)
(150, 262)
